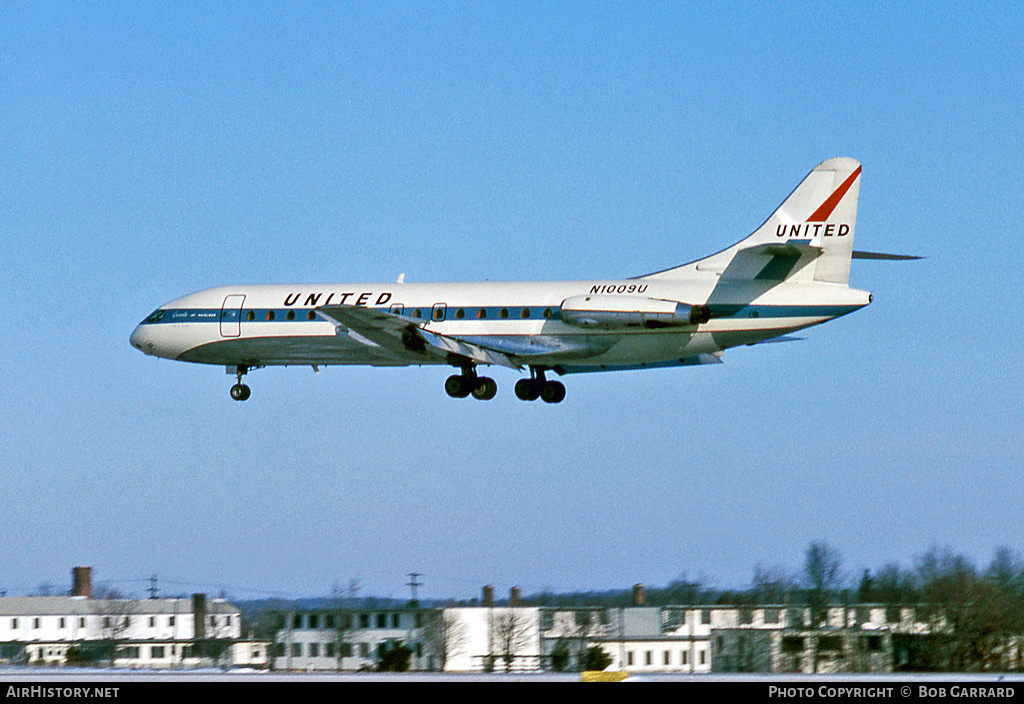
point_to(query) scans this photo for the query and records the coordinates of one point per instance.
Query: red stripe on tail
(822, 213)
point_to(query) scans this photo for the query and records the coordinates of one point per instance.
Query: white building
(493, 639)
(151, 633)
(657, 639)
(349, 637)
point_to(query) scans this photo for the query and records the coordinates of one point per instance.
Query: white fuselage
(262, 325)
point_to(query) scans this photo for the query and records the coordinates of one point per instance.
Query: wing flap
(408, 337)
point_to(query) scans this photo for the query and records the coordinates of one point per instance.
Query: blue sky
(152, 151)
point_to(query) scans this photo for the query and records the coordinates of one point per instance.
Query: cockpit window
(156, 316)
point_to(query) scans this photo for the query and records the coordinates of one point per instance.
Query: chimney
(81, 582)
(198, 616)
(513, 597)
(488, 596)
(638, 595)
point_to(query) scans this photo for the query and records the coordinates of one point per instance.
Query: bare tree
(823, 579)
(585, 624)
(570, 630)
(972, 618)
(340, 621)
(509, 634)
(895, 588)
(1006, 575)
(115, 612)
(682, 590)
(771, 585)
(445, 635)
(217, 643)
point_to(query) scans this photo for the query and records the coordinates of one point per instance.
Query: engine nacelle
(630, 311)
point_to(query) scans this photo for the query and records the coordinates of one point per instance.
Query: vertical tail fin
(809, 236)
(833, 222)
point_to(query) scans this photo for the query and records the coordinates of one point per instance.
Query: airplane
(790, 274)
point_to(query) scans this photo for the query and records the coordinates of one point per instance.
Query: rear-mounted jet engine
(630, 311)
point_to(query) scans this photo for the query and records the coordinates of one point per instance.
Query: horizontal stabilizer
(780, 338)
(793, 248)
(885, 257)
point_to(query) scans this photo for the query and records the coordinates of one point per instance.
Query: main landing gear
(240, 392)
(538, 387)
(482, 388)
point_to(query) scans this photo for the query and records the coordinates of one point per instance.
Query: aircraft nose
(140, 342)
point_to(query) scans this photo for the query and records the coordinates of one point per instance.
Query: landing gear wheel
(485, 389)
(527, 390)
(458, 386)
(240, 392)
(553, 392)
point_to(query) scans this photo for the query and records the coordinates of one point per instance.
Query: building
(493, 639)
(359, 635)
(659, 639)
(802, 651)
(696, 638)
(757, 638)
(151, 633)
(348, 636)
(509, 637)
(782, 639)
(125, 632)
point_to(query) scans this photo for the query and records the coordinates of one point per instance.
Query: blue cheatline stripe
(469, 314)
(281, 315)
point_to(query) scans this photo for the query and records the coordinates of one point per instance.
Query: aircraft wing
(408, 337)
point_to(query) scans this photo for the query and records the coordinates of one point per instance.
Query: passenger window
(503, 313)
(250, 316)
(547, 312)
(270, 315)
(460, 314)
(417, 313)
(525, 313)
(291, 315)
(482, 313)
(311, 315)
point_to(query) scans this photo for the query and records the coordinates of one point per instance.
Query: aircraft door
(231, 316)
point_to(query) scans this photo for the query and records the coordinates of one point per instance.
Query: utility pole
(412, 584)
(152, 587)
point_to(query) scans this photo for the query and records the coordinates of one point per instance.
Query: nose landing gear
(240, 392)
